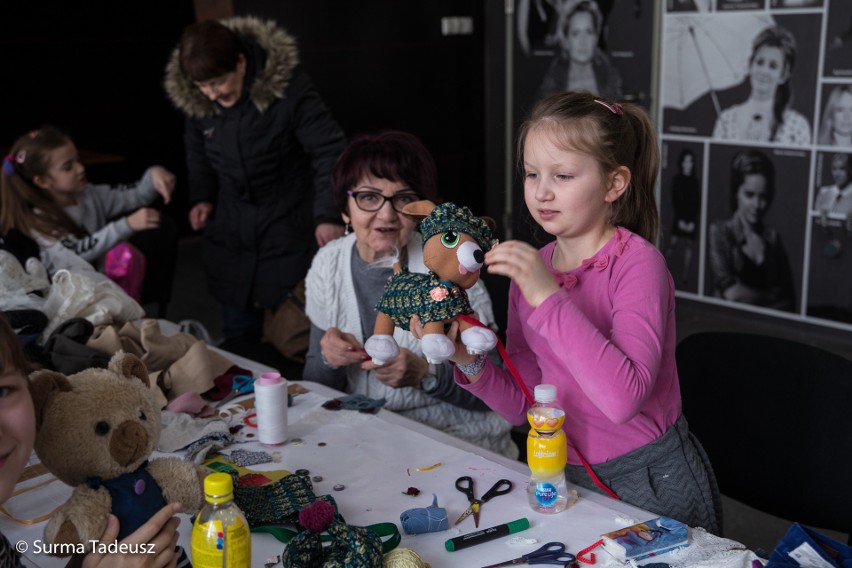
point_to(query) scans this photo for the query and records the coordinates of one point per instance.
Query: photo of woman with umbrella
(766, 116)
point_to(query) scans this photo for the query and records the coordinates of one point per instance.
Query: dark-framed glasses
(372, 201)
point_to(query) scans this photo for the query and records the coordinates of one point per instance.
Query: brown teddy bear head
(95, 423)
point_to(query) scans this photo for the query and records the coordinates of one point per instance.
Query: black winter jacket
(264, 164)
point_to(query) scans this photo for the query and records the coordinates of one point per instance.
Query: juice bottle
(220, 536)
(547, 450)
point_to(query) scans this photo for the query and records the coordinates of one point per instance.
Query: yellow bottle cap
(218, 488)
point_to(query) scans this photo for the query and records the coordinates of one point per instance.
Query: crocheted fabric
(451, 217)
(276, 503)
(351, 547)
(410, 293)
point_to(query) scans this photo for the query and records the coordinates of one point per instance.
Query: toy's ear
(492, 224)
(419, 209)
(43, 386)
(129, 366)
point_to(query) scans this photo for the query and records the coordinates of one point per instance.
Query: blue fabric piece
(425, 519)
(801, 539)
(136, 497)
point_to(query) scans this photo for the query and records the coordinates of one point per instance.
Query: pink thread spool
(270, 402)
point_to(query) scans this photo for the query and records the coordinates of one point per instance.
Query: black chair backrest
(775, 417)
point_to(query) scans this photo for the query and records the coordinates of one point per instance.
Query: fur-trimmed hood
(282, 56)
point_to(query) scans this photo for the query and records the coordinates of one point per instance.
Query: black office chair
(775, 417)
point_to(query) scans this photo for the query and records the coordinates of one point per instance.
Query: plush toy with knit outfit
(95, 431)
(454, 245)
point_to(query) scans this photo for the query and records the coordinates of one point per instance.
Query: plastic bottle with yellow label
(220, 535)
(547, 450)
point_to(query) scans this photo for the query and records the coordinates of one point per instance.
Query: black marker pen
(474, 538)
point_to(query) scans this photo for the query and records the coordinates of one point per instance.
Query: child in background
(44, 193)
(593, 311)
(17, 436)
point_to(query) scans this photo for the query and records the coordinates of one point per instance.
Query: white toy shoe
(479, 340)
(382, 348)
(437, 347)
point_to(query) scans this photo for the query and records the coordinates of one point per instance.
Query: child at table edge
(17, 436)
(593, 311)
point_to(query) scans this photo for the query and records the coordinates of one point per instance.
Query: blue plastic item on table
(242, 384)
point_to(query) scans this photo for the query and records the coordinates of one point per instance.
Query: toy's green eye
(101, 428)
(450, 239)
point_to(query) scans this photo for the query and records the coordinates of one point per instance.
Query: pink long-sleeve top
(606, 340)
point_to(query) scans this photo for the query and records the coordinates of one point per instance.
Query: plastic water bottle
(220, 536)
(547, 450)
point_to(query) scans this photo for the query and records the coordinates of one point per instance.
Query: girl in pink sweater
(593, 311)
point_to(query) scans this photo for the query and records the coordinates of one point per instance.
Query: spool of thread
(270, 403)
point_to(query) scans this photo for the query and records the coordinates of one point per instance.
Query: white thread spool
(270, 404)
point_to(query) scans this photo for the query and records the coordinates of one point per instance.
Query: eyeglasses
(372, 201)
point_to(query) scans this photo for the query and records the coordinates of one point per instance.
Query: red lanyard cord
(517, 376)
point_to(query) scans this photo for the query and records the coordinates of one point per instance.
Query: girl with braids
(44, 194)
(766, 116)
(593, 311)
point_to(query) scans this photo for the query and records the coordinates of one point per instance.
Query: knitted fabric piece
(351, 547)
(451, 217)
(410, 293)
(245, 458)
(425, 519)
(276, 503)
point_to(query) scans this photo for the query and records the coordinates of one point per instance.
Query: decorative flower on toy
(454, 245)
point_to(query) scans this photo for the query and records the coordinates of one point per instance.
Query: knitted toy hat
(451, 217)
(351, 547)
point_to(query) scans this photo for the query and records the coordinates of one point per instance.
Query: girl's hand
(407, 370)
(341, 349)
(461, 355)
(164, 182)
(199, 215)
(144, 218)
(159, 531)
(523, 263)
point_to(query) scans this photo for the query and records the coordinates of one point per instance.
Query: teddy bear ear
(44, 385)
(492, 224)
(419, 209)
(129, 366)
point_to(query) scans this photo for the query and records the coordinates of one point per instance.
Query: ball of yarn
(316, 516)
(403, 558)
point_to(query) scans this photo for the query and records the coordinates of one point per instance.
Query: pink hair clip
(614, 108)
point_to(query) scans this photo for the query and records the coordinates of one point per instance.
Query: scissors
(465, 485)
(550, 553)
(242, 384)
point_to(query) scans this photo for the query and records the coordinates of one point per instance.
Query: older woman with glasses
(374, 178)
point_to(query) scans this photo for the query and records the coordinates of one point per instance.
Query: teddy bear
(454, 245)
(95, 431)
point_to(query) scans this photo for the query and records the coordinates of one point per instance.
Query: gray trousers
(671, 477)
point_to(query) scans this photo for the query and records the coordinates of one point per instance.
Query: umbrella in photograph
(705, 53)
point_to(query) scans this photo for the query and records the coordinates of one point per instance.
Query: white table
(375, 457)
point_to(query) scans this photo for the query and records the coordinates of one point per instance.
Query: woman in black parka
(260, 144)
